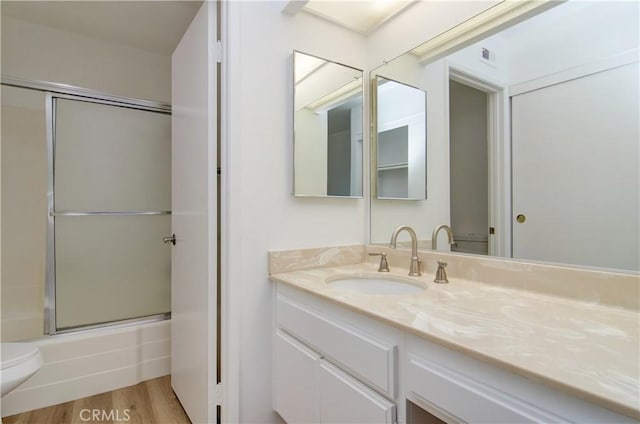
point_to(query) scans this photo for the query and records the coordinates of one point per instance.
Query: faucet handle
(441, 273)
(384, 265)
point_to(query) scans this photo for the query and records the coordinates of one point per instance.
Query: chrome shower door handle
(171, 239)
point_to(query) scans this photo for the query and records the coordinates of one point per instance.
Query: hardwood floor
(150, 402)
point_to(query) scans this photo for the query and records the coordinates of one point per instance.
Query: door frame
(499, 152)
(230, 297)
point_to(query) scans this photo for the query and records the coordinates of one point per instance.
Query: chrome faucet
(434, 236)
(414, 267)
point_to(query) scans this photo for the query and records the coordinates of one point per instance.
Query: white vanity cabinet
(308, 389)
(343, 399)
(335, 365)
(456, 387)
(326, 369)
(296, 386)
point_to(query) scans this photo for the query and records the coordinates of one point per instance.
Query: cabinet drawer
(369, 358)
(295, 381)
(345, 400)
(464, 399)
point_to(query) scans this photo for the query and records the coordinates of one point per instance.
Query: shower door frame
(61, 91)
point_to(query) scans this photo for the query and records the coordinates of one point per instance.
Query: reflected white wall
(310, 154)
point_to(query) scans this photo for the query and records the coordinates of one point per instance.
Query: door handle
(171, 239)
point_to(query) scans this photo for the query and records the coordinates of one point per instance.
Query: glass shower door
(109, 211)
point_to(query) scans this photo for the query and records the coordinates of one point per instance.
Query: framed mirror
(328, 128)
(534, 137)
(400, 140)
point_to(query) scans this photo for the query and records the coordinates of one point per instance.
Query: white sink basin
(367, 284)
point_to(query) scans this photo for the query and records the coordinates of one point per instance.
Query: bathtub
(89, 362)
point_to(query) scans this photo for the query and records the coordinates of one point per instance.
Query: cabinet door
(296, 380)
(345, 400)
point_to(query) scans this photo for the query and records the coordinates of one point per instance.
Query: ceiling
(363, 16)
(155, 26)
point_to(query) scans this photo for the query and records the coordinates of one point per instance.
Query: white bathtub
(86, 363)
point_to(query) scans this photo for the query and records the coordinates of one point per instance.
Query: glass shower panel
(111, 158)
(111, 209)
(111, 268)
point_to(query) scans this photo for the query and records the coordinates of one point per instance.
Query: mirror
(400, 140)
(534, 138)
(328, 107)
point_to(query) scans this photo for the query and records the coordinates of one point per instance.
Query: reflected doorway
(469, 177)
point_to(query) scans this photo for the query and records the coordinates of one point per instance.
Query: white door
(576, 157)
(193, 190)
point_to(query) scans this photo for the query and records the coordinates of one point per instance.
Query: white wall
(36, 52)
(261, 212)
(24, 207)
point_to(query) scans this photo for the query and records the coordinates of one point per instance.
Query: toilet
(19, 361)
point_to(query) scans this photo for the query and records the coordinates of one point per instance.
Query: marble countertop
(587, 349)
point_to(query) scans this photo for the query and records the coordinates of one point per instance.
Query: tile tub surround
(587, 345)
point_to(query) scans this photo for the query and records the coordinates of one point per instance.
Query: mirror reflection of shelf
(400, 112)
(393, 162)
(393, 146)
(393, 183)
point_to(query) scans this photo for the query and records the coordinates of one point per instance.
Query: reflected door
(576, 161)
(109, 209)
